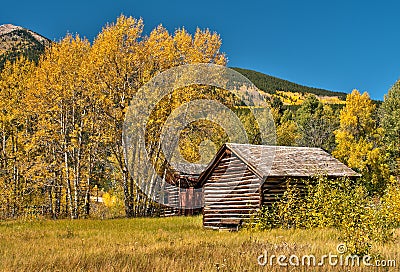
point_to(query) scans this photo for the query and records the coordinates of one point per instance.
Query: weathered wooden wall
(182, 201)
(274, 187)
(171, 199)
(230, 194)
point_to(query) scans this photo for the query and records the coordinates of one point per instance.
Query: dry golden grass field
(162, 244)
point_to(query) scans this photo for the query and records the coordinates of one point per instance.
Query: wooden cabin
(182, 195)
(243, 177)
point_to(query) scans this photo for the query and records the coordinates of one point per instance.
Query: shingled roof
(285, 161)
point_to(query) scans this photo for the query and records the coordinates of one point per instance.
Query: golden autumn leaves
(61, 121)
(359, 140)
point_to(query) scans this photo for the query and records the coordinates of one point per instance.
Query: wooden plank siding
(231, 193)
(274, 187)
(171, 198)
(182, 201)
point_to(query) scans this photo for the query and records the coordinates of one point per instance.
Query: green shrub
(340, 204)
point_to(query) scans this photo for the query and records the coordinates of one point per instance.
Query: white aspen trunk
(66, 166)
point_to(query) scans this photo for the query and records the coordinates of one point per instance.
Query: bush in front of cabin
(336, 203)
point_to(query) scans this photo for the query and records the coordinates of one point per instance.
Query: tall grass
(157, 244)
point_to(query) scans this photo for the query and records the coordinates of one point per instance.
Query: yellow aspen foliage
(121, 60)
(15, 189)
(58, 99)
(391, 203)
(183, 43)
(61, 122)
(114, 204)
(114, 73)
(160, 52)
(111, 200)
(357, 116)
(359, 141)
(353, 138)
(207, 45)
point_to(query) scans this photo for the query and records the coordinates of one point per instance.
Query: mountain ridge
(16, 41)
(7, 28)
(274, 85)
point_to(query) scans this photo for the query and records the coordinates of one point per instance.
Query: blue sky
(337, 45)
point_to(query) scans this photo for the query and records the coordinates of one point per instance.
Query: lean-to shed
(181, 195)
(243, 177)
